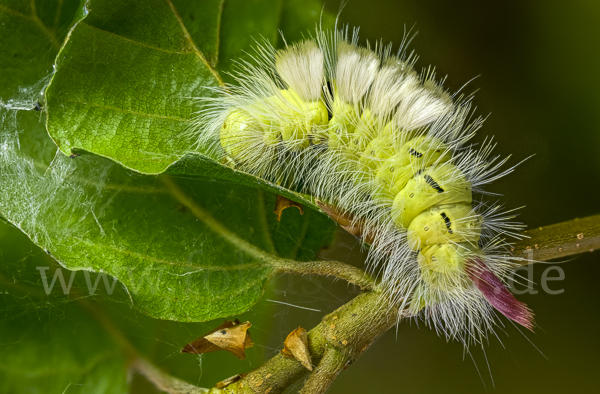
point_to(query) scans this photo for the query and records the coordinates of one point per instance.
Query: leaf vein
(219, 19)
(127, 111)
(34, 18)
(193, 45)
(133, 41)
(169, 262)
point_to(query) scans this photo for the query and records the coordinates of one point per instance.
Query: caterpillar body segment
(362, 130)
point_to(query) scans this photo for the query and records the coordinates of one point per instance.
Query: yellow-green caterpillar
(359, 128)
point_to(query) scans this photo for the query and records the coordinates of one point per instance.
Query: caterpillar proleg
(360, 129)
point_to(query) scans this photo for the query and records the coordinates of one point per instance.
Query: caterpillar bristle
(385, 152)
(301, 67)
(351, 61)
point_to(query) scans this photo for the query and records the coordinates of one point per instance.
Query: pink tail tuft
(496, 293)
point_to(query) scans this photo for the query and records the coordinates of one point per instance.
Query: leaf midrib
(126, 111)
(110, 33)
(169, 262)
(193, 44)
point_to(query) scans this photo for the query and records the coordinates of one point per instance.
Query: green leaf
(123, 90)
(82, 343)
(244, 22)
(50, 344)
(32, 33)
(300, 17)
(123, 83)
(186, 249)
(199, 165)
(85, 363)
(202, 19)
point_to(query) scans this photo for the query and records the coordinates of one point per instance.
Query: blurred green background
(537, 63)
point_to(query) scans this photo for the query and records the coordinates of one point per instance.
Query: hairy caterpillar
(359, 128)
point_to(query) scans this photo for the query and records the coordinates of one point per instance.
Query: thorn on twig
(296, 347)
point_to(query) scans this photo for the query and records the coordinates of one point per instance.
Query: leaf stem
(327, 268)
(164, 381)
(336, 269)
(137, 362)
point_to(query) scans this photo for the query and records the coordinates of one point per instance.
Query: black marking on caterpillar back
(328, 88)
(447, 221)
(433, 184)
(413, 152)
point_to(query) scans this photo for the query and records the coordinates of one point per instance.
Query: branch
(336, 342)
(543, 244)
(343, 335)
(559, 240)
(329, 368)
